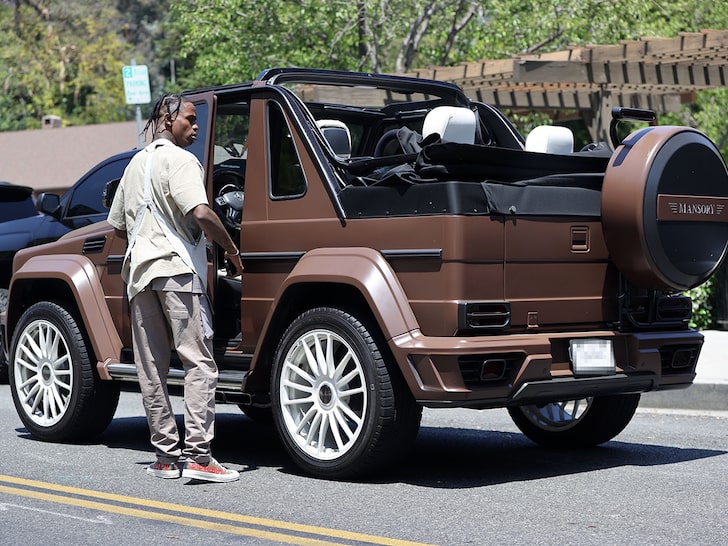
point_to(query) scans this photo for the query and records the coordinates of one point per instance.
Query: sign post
(137, 91)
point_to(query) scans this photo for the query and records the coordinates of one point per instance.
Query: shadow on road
(461, 458)
(443, 457)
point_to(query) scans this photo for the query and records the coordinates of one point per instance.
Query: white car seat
(452, 123)
(550, 139)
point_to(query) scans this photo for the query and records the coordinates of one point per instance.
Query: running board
(229, 383)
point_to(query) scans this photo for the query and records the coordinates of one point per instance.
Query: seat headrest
(551, 139)
(337, 135)
(452, 123)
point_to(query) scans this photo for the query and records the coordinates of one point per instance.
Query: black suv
(21, 225)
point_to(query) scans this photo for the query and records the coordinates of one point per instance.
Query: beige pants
(162, 319)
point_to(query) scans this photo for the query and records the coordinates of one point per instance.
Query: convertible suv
(404, 247)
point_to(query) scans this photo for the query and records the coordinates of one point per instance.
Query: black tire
(3, 362)
(349, 427)
(576, 423)
(55, 387)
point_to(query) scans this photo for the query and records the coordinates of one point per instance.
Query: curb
(699, 396)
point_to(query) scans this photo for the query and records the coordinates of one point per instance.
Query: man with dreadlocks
(161, 208)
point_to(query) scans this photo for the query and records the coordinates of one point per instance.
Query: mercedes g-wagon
(404, 247)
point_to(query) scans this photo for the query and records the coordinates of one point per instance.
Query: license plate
(592, 356)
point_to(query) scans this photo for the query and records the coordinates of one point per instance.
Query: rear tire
(576, 423)
(55, 387)
(339, 409)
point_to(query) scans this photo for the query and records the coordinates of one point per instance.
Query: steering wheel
(388, 144)
(229, 200)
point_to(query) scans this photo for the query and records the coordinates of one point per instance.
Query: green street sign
(136, 84)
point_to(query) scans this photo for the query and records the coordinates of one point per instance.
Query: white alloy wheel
(43, 373)
(322, 394)
(56, 390)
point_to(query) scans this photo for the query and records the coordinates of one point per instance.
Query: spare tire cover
(664, 208)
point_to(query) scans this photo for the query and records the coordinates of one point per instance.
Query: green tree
(61, 58)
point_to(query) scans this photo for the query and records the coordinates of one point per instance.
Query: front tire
(55, 387)
(579, 423)
(339, 409)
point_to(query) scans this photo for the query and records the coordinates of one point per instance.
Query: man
(161, 208)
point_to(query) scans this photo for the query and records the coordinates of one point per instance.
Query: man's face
(184, 125)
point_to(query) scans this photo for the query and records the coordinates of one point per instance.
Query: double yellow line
(211, 520)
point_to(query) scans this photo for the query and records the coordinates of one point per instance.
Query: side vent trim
(485, 315)
(94, 245)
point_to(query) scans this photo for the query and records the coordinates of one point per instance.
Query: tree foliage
(61, 58)
(64, 56)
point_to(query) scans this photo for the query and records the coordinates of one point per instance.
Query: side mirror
(109, 191)
(49, 203)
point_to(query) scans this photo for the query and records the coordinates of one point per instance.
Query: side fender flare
(362, 268)
(80, 275)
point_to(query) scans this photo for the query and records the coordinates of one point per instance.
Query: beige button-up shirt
(177, 188)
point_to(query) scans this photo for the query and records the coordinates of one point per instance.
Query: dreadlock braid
(167, 107)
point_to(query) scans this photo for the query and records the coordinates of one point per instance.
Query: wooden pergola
(655, 73)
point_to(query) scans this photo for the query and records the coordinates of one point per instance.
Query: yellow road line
(192, 522)
(158, 516)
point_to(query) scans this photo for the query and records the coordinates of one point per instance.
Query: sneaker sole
(209, 477)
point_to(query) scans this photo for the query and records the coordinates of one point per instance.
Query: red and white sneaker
(163, 470)
(210, 472)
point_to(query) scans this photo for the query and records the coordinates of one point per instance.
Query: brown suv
(403, 247)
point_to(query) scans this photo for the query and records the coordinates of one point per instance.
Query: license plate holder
(592, 356)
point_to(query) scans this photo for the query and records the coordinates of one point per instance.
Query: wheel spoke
(332, 368)
(32, 379)
(46, 402)
(291, 367)
(311, 358)
(335, 425)
(313, 429)
(320, 353)
(323, 431)
(32, 393)
(31, 367)
(351, 392)
(348, 378)
(32, 351)
(57, 396)
(306, 420)
(344, 425)
(298, 386)
(349, 413)
(60, 361)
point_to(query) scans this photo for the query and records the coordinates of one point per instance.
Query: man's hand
(213, 228)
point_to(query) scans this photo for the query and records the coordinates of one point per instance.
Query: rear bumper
(448, 372)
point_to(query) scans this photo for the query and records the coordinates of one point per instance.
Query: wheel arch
(358, 279)
(72, 281)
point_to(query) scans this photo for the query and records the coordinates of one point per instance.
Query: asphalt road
(472, 479)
